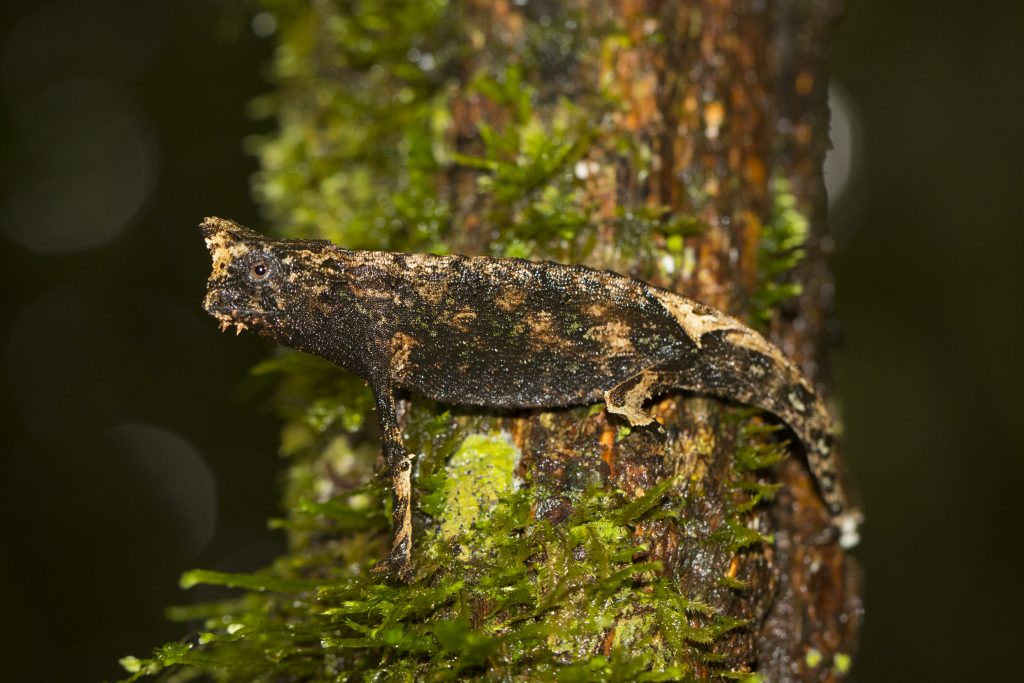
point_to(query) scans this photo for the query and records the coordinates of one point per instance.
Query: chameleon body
(505, 333)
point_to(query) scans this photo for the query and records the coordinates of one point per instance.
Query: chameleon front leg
(399, 464)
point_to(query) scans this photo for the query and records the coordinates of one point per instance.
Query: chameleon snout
(224, 303)
(235, 307)
(213, 304)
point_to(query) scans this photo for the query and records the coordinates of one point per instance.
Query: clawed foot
(397, 564)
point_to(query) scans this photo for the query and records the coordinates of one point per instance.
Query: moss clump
(363, 110)
(781, 249)
(478, 475)
(527, 180)
(541, 594)
(532, 597)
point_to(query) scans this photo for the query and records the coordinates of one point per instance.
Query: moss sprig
(782, 247)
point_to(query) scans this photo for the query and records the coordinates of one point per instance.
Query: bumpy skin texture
(505, 333)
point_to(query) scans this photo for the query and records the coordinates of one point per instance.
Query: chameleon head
(247, 286)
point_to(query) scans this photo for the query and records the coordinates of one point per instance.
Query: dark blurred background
(132, 449)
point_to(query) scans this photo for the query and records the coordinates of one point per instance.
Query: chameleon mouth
(241, 318)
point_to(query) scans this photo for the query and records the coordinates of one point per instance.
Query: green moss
(781, 248)
(363, 110)
(543, 592)
(315, 395)
(527, 181)
(529, 598)
(479, 474)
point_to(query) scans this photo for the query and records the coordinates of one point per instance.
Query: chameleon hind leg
(757, 376)
(627, 398)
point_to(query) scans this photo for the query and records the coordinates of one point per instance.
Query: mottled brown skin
(504, 333)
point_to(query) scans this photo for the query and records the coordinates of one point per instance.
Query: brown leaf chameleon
(505, 333)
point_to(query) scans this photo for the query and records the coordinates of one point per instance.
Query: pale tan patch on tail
(695, 318)
(698, 319)
(747, 338)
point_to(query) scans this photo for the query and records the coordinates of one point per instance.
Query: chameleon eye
(259, 270)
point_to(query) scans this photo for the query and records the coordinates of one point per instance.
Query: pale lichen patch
(480, 474)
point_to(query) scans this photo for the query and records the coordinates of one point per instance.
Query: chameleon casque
(505, 333)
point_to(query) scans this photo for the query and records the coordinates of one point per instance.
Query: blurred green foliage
(781, 248)
(360, 121)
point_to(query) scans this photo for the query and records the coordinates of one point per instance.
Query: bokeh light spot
(842, 161)
(87, 163)
(264, 24)
(177, 477)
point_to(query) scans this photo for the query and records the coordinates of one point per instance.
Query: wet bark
(680, 142)
(695, 109)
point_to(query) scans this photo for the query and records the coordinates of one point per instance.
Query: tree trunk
(681, 142)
